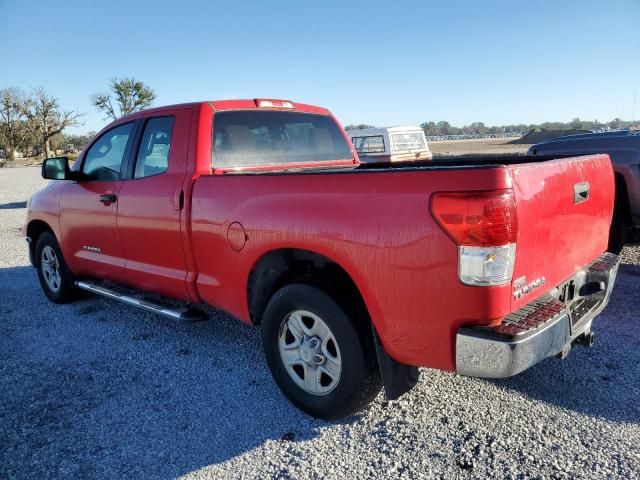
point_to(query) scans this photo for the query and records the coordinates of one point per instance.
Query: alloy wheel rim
(50, 267)
(309, 352)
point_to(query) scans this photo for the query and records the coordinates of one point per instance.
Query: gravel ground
(95, 389)
(477, 146)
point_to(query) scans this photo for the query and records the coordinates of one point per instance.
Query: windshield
(407, 141)
(252, 138)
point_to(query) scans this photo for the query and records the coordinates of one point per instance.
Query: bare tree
(14, 128)
(128, 94)
(47, 118)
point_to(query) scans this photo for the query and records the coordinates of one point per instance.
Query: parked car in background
(357, 274)
(623, 147)
(70, 148)
(392, 144)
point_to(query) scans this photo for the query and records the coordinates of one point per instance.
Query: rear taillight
(478, 219)
(484, 226)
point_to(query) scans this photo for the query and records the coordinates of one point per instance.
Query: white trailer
(390, 144)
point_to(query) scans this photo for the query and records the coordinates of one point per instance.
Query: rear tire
(56, 279)
(318, 358)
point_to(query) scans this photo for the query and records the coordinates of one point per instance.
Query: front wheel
(55, 277)
(316, 355)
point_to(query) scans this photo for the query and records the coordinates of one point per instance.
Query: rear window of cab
(248, 138)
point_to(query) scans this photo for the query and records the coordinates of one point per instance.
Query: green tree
(576, 123)
(444, 127)
(615, 124)
(430, 128)
(125, 96)
(478, 128)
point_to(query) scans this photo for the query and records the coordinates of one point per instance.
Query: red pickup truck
(356, 274)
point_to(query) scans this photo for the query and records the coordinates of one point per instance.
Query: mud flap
(397, 377)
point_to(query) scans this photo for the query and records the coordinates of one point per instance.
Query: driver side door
(88, 207)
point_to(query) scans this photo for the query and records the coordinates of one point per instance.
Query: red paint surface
(556, 237)
(149, 219)
(376, 225)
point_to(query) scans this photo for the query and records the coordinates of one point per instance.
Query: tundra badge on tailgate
(522, 288)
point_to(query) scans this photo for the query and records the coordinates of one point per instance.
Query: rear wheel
(317, 357)
(55, 277)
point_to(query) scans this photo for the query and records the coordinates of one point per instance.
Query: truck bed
(478, 161)
(375, 221)
(450, 162)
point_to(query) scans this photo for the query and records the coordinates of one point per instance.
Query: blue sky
(383, 63)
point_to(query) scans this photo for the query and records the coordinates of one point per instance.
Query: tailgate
(564, 210)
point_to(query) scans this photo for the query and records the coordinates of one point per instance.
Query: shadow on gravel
(603, 381)
(13, 205)
(95, 389)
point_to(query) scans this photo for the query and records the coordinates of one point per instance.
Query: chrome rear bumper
(543, 328)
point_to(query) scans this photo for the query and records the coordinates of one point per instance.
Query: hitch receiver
(586, 339)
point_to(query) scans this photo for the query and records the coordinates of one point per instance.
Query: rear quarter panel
(376, 225)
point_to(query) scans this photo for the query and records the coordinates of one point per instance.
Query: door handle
(581, 192)
(107, 198)
(177, 202)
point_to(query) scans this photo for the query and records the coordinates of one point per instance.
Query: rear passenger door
(150, 204)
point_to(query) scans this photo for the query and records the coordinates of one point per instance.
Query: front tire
(317, 356)
(56, 279)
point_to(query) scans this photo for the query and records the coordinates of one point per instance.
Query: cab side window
(104, 159)
(155, 145)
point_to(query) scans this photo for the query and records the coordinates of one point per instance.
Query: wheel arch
(279, 267)
(283, 266)
(622, 205)
(35, 228)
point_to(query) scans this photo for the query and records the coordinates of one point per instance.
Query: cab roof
(253, 104)
(225, 105)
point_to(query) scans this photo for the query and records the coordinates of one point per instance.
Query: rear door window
(155, 145)
(253, 138)
(370, 144)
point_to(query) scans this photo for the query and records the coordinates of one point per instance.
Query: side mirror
(56, 168)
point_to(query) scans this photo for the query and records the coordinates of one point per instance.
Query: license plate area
(580, 296)
(580, 308)
(567, 292)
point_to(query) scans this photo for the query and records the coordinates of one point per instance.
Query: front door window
(103, 161)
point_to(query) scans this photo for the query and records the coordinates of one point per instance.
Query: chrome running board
(146, 301)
